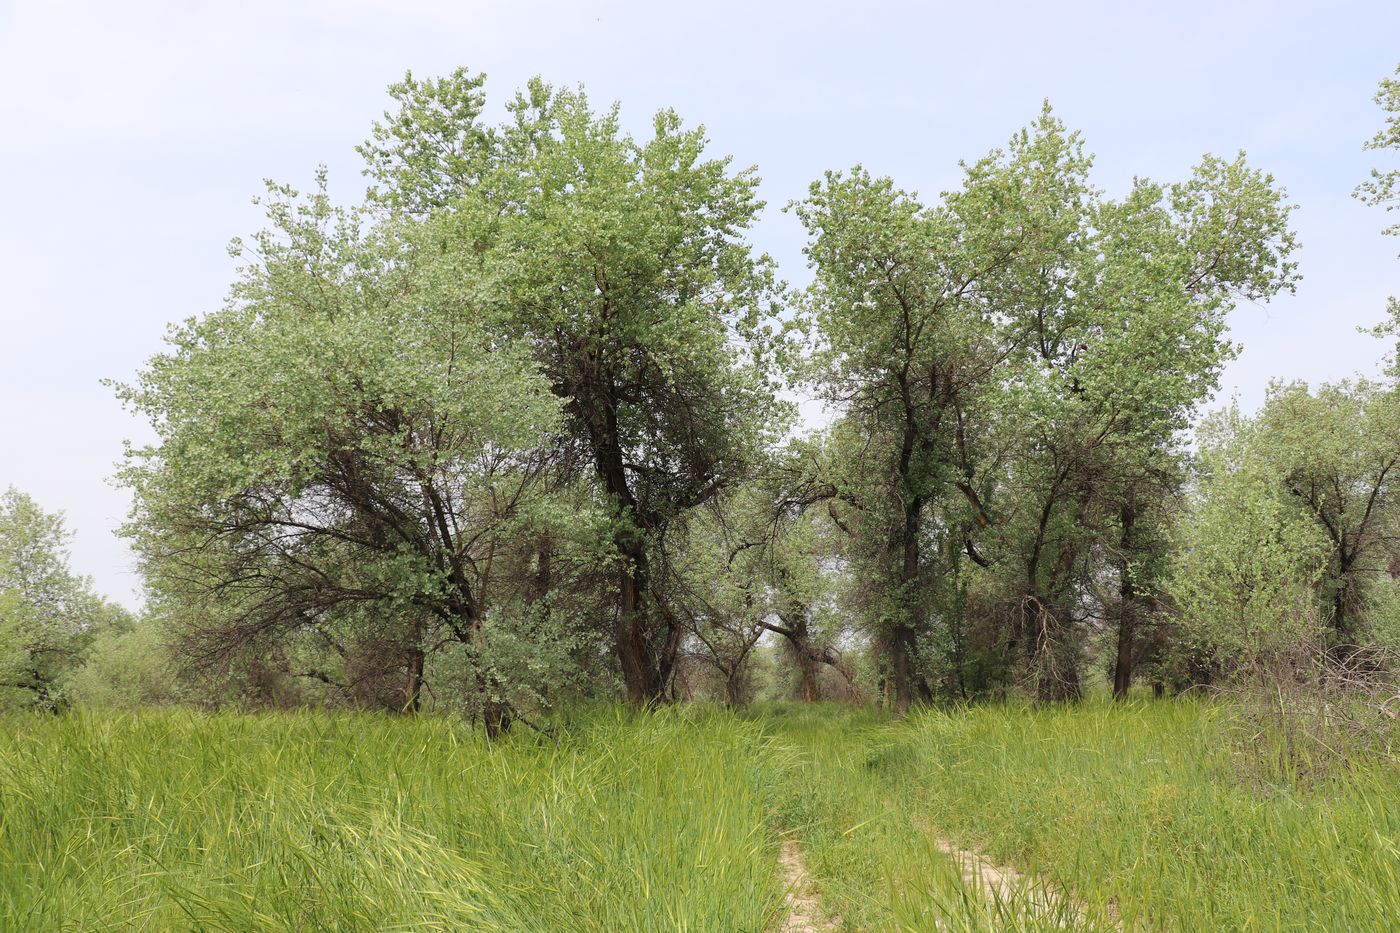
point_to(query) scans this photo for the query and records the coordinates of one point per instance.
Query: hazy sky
(133, 135)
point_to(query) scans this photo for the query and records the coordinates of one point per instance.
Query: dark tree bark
(809, 657)
(644, 660)
(807, 667)
(903, 638)
(413, 684)
(1127, 605)
(1050, 640)
(733, 691)
(1123, 660)
(497, 718)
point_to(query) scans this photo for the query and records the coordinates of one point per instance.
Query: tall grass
(1141, 807)
(1120, 816)
(317, 821)
(856, 803)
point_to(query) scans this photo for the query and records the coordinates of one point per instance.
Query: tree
(1014, 359)
(719, 583)
(1124, 349)
(1247, 560)
(622, 268)
(1383, 190)
(1329, 459)
(752, 563)
(344, 451)
(1336, 450)
(808, 578)
(910, 336)
(128, 666)
(424, 430)
(47, 613)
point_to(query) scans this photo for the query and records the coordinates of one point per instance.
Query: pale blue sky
(132, 136)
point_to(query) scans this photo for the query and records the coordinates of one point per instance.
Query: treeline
(518, 428)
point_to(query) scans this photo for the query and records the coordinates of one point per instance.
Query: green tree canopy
(621, 266)
(346, 443)
(1012, 356)
(376, 434)
(48, 614)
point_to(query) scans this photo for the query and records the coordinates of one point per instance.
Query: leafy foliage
(48, 615)
(1016, 363)
(1383, 187)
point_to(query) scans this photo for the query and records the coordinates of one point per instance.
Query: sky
(134, 135)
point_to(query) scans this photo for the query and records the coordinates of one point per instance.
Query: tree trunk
(633, 651)
(495, 711)
(644, 674)
(902, 644)
(496, 716)
(901, 658)
(543, 576)
(1123, 663)
(1054, 652)
(1127, 607)
(807, 663)
(809, 659)
(733, 696)
(1341, 605)
(413, 684)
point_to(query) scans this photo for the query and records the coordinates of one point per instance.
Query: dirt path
(986, 880)
(1002, 884)
(995, 881)
(804, 913)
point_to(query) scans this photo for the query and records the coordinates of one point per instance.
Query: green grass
(858, 803)
(1133, 815)
(315, 821)
(1140, 806)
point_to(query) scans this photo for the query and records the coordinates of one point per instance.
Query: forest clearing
(563, 526)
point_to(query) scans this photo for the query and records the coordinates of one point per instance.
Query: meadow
(1099, 816)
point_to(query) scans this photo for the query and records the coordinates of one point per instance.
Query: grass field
(1130, 817)
(1116, 817)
